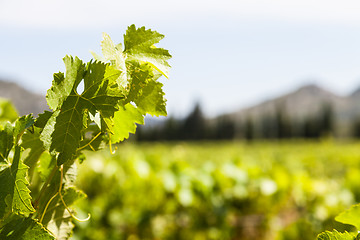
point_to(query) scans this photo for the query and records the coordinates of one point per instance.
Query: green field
(218, 190)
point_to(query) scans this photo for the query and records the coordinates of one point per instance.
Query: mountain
(25, 101)
(301, 103)
(307, 102)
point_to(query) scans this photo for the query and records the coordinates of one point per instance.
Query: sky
(227, 55)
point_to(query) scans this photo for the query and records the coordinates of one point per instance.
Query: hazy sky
(226, 54)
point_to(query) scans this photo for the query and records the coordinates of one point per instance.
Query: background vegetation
(218, 190)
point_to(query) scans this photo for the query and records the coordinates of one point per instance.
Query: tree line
(279, 125)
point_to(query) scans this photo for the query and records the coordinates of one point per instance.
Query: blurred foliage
(218, 190)
(7, 111)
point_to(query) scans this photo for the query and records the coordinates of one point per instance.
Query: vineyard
(68, 174)
(229, 190)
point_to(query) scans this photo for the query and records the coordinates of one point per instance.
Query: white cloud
(93, 13)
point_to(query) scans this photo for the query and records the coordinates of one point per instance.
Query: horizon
(197, 103)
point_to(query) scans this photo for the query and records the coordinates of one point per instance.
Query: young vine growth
(38, 155)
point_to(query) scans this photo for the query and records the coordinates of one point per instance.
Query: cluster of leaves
(119, 89)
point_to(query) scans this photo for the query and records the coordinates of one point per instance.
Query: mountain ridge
(25, 101)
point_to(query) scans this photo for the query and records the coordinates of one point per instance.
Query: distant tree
(225, 128)
(312, 127)
(194, 125)
(327, 119)
(171, 129)
(269, 127)
(356, 128)
(321, 124)
(249, 128)
(283, 122)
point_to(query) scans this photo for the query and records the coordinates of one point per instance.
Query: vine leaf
(14, 193)
(124, 122)
(145, 91)
(151, 99)
(22, 124)
(48, 128)
(335, 235)
(45, 166)
(139, 46)
(141, 64)
(350, 216)
(31, 140)
(42, 119)
(6, 141)
(62, 85)
(101, 94)
(114, 54)
(24, 229)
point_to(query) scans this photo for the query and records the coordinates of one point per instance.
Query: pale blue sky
(226, 54)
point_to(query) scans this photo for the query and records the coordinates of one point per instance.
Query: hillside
(25, 101)
(301, 103)
(305, 103)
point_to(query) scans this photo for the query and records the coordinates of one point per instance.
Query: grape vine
(38, 155)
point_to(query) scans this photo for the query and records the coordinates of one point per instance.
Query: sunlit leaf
(13, 188)
(350, 216)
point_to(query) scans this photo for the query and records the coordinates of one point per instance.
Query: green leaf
(115, 55)
(22, 124)
(42, 119)
(139, 46)
(31, 140)
(350, 216)
(45, 166)
(62, 85)
(151, 99)
(101, 91)
(140, 75)
(141, 64)
(145, 91)
(13, 188)
(48, 129)
(67, 129)
(101, 95)
(6, 141)
(335, 235)
(24, 229)
(125, 120)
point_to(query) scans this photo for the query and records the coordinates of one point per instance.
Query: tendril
(46, 207)
(62, 199)
(89, 143)
(110, 145)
